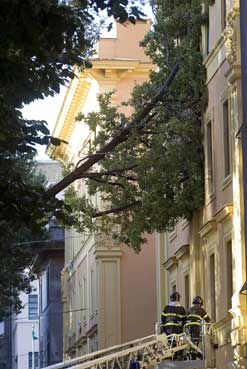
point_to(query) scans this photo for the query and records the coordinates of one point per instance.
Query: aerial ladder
(157, 350)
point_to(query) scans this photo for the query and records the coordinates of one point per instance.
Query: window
(207, 37)
(32, 307)
(36, 360)
(212, 286)
(209, 154)
(186, 292)
(226, 138)
(92, 291)
(229, 274)
(1, 328)
(48, 350)
(84, 304)
(223, 14)
(45, 289)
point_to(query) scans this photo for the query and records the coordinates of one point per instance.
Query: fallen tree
(151, 164)
(40, 42)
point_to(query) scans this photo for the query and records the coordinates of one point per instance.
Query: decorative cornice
(219, 217)
(207, 228)
(78, 99)
(224, 213)
(103, 71)
(182, 251)
(170, 263)
(232, 35)
(215, 58)
(105, 248)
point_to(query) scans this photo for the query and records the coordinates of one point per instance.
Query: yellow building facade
(109, 292)
(207, 256)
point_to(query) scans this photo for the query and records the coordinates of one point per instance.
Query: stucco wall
(138, 291)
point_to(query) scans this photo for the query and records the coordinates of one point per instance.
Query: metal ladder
(140, 354)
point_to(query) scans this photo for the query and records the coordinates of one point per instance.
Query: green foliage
(40, 42)
(155, 177)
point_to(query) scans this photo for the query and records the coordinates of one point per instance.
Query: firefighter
(195, 316)
(173, 316)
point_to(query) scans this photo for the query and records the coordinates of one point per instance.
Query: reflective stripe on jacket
(196, 314)
(173, 316)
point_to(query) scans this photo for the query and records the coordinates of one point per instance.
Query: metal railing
(141, 353)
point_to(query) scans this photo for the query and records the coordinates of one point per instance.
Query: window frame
(212, 282)
(209, 177)
(223, 14)
(186, 291)
(36, 360)
(229, 274)
(32, 316)
(226, 127)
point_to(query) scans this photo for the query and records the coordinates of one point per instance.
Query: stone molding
(215, 59)
(207, 228)
(182, 251)
(219, 217)
(170, 263)
(105, 72)
(179, 254)
(224, 213)
(232, 35)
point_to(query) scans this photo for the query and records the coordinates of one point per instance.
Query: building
(23, 325)
(206, 257)
(5, 344)
(48, 265)
(109, 293)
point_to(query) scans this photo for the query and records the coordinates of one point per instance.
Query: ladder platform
(183, 364)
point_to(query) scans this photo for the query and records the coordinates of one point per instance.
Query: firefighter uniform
(173, 316)
(173, 319)
(195, 316)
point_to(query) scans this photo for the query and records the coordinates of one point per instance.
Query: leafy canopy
(40, 42)
(153, 178)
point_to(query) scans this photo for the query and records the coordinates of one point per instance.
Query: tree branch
(108, 182)
(116, 210)
(121, 137)
(95, 175)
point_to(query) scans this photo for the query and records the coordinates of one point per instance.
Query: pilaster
(239, 308)
(108, 271)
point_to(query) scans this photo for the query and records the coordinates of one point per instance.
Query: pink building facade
(108, 290)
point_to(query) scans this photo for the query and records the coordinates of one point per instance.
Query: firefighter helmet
(175, 296)
(198, 300)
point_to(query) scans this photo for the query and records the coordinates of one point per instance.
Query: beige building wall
(210, 249)
(138, 273)
(109, 293)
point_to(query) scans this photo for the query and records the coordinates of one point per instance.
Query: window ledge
(226, 181)
(209, 198)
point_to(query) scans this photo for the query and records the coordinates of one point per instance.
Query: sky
(48, 108)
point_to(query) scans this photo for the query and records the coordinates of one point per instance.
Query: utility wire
(45, 315)
(64, 239)
(49, 241)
